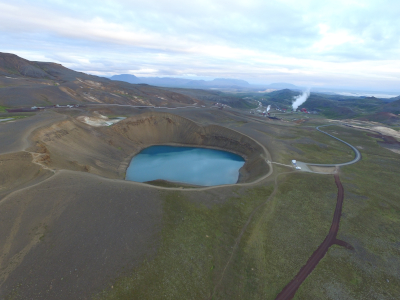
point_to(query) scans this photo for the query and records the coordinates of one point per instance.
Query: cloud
(315, 41)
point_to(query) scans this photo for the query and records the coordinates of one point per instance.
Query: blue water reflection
(197, 166)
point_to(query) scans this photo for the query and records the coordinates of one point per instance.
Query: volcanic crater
(107, 151)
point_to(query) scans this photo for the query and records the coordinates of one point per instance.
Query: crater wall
(107, 151)
(163, 128)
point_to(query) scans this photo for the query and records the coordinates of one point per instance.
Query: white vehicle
(298, 168)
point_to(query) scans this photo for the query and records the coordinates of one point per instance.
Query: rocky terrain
(27, 83)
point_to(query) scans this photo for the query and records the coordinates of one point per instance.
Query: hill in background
(182, 82)
(336, 106)
(217, 83)
(31, 83)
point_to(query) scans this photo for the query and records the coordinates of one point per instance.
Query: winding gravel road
(357, 153)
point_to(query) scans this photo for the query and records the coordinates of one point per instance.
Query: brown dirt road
(289, 291)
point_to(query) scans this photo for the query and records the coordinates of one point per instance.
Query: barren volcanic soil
(56, 207)
(13, 135)
(71, 227)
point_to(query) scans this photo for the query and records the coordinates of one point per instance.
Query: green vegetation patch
(196, 243)
(16, 117)
(334, 153)
(284, 234)
(311, 146)
(169, 184)
(371, 224)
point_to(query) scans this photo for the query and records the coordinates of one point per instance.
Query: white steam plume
(299, 100)
(268, 107)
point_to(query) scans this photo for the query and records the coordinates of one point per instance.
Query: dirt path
(289, 291)
(14, 136)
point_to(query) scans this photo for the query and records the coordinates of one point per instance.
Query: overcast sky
(341, 43)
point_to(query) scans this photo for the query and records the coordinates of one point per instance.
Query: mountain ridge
(195, 83)
(25, 83)
(32, 83)
(181, 82)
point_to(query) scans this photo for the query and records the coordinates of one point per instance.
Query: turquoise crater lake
(198, 166)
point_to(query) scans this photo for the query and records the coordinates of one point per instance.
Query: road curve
(357, 153)
(289, 291)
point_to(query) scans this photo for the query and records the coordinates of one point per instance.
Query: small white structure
(294, 162)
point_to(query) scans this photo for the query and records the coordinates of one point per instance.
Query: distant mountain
(190, 83)
(227, 82)
(157, 81)
(126, 77)
(182, 82)
(282, 85)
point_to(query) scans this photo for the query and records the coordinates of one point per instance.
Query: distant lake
(198, 166)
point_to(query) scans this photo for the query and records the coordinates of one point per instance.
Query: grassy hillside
(233, 100)
(331, 106)
(282, 96)
(393, 107)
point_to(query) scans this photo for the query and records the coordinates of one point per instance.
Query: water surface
(199, 166)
